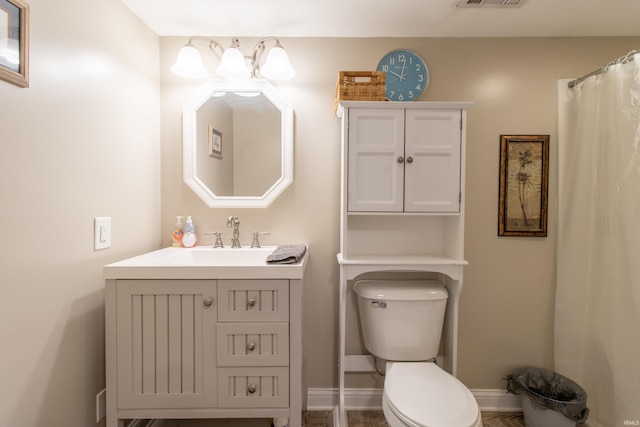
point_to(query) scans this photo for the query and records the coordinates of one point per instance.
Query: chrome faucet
(234, 222)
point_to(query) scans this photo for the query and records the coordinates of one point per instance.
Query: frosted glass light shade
(277, 65)
(189, 64)
(233, 65)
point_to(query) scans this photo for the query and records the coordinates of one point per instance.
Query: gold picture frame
(215, 143)
(524, 185)
(14, 42)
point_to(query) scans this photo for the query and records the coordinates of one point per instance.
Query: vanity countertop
(205, 262)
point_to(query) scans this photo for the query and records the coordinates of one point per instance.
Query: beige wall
(507, 302)
(82, 141)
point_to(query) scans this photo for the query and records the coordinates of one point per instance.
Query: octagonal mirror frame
(189, 144)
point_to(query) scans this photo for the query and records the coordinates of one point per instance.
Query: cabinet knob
(409, 159)
(208, 301)
(251, 346)
(251, 389)
(401, 159)
(251, 302)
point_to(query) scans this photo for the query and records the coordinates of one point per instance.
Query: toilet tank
(401, 320)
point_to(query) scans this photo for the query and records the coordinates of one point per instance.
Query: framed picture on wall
(215, 143)
(14, 42)
(524, 176)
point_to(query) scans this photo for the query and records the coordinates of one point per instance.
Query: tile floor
(376, 419)
(356, 419)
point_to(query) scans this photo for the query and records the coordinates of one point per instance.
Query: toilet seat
(421, 394)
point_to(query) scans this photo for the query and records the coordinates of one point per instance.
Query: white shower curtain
(597, 324)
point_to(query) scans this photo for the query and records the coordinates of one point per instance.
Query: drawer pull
(251, 302)
(251, 346)
(251, 389)
(208, 302)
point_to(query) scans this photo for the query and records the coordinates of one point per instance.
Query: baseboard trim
(326, 399)
(497, 400)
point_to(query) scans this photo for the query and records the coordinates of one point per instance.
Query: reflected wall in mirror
(238, 144)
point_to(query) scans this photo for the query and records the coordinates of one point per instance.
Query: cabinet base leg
(280, 422)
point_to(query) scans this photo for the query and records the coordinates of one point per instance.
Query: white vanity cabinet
(403, 159)
(204, 348)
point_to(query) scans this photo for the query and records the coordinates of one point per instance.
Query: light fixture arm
(258, 50)
(213, 45)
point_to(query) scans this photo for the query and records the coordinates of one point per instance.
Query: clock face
(407, 75)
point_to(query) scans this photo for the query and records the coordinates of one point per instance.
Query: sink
(204, 262)
(208, 256)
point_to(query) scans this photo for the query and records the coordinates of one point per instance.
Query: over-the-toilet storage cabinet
(402, 205)
(396, 155)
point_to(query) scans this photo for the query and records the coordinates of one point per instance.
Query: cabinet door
(166, 343)
(432, 160)
(375, 175)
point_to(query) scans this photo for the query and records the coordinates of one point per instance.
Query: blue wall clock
(407, 75)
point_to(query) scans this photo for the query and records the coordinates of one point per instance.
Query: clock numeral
(418, 68)
(410, 94)
(402, 58)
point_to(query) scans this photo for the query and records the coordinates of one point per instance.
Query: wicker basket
(360, 86)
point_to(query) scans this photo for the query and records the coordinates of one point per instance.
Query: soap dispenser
(176, 235)
(189, 237)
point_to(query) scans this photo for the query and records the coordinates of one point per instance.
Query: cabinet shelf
(357, 264)
(424, 260)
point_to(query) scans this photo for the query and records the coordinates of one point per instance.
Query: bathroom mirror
(237, 144)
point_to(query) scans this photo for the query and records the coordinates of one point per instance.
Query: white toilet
(402, 324)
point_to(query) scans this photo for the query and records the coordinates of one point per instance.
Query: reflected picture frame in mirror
(263, 96)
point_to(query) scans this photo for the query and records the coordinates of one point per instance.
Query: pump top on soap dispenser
(189, 237)
(176, 235)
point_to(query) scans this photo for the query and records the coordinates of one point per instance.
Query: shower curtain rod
(622, 60)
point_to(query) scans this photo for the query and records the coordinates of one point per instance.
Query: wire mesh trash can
(548, 398)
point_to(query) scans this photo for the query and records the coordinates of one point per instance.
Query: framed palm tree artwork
(524, 185)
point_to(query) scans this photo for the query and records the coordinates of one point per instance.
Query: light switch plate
(102, 233)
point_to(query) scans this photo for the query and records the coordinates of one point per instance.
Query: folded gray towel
(287, 254)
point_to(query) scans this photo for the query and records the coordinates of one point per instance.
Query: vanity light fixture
(233, 64)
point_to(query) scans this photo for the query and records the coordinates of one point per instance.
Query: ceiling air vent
(491, 3)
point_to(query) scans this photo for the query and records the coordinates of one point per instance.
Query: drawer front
(253, 387)
(251, 344)
(253, 300)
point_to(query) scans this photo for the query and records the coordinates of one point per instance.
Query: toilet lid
(427, 396)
